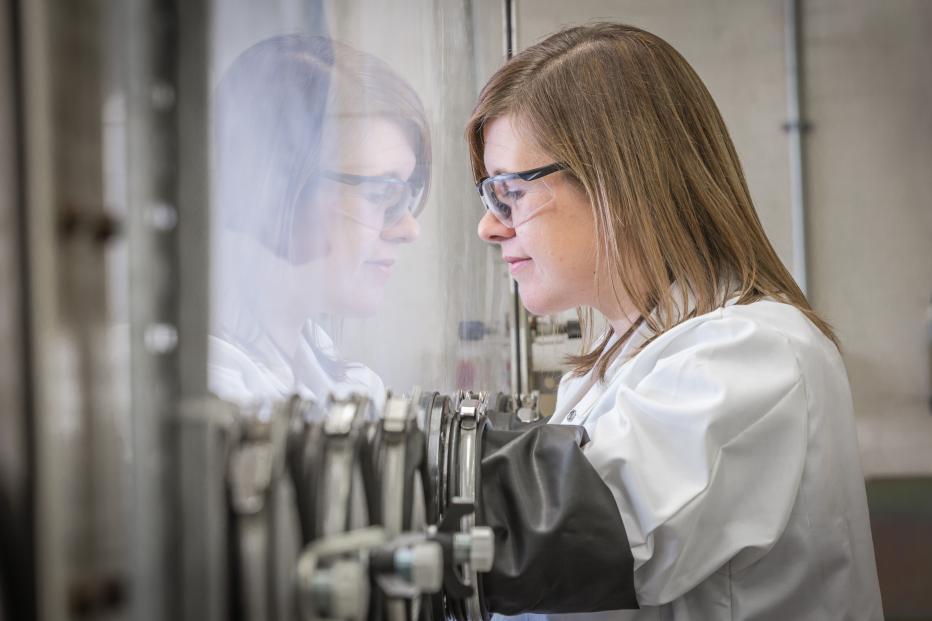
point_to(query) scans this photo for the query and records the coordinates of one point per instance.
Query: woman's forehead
(509, 148)
(373, 146)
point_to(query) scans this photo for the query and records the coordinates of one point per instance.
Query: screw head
(161, 338)
(427, 566)
(349, 591)
(482, 550)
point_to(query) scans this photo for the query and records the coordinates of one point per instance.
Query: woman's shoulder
(754, 339)
(235, 376)
(764, 345)
(745, 323)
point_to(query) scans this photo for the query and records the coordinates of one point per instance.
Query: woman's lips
(515, 264)
(380, 267)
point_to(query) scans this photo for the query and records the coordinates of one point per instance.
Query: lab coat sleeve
(703, 447)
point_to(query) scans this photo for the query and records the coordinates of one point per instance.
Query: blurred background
(116, 236)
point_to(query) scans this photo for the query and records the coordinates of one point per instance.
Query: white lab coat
(729, 444)
(261, 372)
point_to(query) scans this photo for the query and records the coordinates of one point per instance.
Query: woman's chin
(361, 304)
(541, 305)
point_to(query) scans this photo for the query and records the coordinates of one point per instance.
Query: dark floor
(901, 521)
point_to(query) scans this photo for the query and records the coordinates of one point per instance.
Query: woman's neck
(252, 300)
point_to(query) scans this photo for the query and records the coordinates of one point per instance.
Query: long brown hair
(638, 129)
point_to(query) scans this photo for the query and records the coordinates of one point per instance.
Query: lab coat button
(572, 415)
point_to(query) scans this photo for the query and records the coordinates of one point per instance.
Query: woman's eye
(502, 207)
(383, 195)
(395, 213)
(379, 198)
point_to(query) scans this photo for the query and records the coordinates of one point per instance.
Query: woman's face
(361, 251)
(551, 253)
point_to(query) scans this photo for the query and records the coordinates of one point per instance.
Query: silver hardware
(332, 577)
(477, 547)
(162, 95)
(161, 338)
(162, 216)
(422, 565)
(342, 416)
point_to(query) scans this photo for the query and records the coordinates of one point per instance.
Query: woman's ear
(310, 234)
(309, 249)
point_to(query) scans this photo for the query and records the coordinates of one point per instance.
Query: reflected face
(364, 228)
(551, 252)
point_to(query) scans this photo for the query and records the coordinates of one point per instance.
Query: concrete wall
(870, 154)
(869, 98)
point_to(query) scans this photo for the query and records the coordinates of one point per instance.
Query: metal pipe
(520, 346)
(17, 468)
(795, 127)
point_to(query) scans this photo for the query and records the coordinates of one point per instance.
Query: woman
(717, 404)
(322, 164)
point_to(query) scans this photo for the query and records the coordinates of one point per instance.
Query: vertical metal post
(193, 120)
(68, 233)
(168, 210)
(511, 33)
(520, 338)
(152, 207)
(168, 207)
(17, 575)
(202, 578)
(796, 127)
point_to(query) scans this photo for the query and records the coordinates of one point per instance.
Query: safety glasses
(384, 200)
(514, 197)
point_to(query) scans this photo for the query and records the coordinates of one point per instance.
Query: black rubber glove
(560, 544)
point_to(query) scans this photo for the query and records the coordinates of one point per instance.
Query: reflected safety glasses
(385, 202)
(514, 197)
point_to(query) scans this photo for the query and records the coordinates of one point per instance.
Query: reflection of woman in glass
(321, 166)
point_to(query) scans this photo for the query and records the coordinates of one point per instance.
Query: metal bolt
(162, 217)
(476, 547)
(161, 338)
(528, 415)
(421, 565)
(482, 552)
(341, 591)
(461, 547)
(162, 95)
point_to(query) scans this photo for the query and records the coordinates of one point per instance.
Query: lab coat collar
(573, 390)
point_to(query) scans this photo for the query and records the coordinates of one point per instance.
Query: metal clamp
(437, 410)
(256, 469)
(399, 416)
(528, 407)
(476, 549)
(343, 421)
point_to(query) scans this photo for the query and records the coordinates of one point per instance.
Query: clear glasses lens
(383, 204)
(513, 200)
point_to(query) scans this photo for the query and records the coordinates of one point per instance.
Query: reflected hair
(274, 109)
(640, 133)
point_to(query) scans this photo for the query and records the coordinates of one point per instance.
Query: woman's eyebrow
(389, 173)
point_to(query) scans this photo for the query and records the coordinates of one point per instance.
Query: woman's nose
(492, 230)
(404, 231)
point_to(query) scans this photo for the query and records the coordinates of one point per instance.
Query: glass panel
(345, 255)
